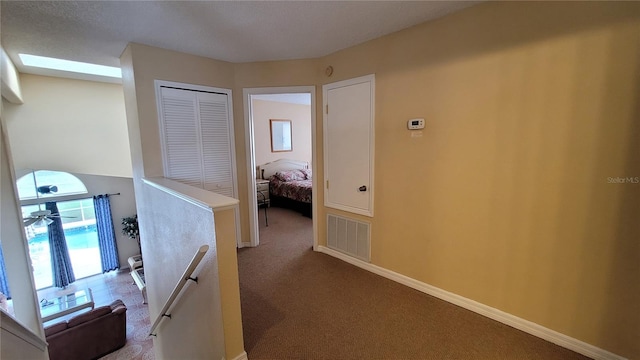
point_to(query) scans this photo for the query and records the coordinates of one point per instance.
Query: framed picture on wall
(280, 135)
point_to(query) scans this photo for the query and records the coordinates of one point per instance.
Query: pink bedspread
(299, 190)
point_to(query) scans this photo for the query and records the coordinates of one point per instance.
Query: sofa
(89, 335)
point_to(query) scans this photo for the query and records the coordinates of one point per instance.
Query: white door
(349, 144)
(197, 139)
(216, 143)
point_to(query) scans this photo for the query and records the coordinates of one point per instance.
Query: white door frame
(251, 159)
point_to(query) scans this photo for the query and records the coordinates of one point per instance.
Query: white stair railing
(173, 298)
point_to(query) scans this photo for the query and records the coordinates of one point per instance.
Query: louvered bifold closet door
(216, 143)
(197, 139)
(181, 137)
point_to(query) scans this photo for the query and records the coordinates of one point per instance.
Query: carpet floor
(299, 304)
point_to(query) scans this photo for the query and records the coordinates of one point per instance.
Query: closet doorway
(260, 133)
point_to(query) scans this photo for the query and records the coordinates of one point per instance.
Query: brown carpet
(298, 304)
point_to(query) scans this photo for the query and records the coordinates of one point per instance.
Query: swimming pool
(83, 237)
(82, 243)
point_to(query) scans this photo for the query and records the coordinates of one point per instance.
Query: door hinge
(327, 110)
(327, 184)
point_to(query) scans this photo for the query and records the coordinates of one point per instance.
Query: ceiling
(236, 31)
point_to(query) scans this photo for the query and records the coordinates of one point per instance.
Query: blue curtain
(106, 234)
(60, 261)
(4, 285)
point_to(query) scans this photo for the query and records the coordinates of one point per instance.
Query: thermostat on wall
(415, 124)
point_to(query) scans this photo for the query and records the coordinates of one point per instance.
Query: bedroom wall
(300, 116)
(69, 125)
(511, 197)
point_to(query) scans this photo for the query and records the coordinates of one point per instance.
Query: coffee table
(66, 304)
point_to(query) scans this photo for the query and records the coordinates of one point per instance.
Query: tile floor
(105, 289)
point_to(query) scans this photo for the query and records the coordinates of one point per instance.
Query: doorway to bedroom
(280, 138)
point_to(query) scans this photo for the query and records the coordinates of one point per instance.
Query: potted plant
(130, 228)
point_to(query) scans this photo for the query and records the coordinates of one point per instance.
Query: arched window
(78, 222)
(45, 183)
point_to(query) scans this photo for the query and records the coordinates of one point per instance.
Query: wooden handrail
(186, 276)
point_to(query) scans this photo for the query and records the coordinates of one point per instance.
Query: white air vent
(349, 236)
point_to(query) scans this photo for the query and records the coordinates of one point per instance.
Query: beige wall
(18, 342)
(263, 74)
(79, 127)
(300, 116)
(69, 125)
(174, 230)
(151, 64)
(123, 205)
(229, 280)
(142, 65)
(14, 246)
(529, 109)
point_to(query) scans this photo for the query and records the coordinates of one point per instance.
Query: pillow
(290, 175)
(307, 174)
(118, 307)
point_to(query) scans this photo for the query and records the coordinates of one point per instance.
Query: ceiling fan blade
(30, 221)
(60, 216)
(41, 213)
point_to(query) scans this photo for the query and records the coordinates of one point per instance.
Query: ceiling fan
(43, 216)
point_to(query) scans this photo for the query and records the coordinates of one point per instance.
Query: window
(44, 183)
(78, 222)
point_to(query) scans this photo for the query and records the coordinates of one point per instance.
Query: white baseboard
(521, 324)
(242, 356)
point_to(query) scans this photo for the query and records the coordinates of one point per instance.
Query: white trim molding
(527, 326)
(242, 356)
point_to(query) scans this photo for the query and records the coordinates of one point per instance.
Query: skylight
(68, 65)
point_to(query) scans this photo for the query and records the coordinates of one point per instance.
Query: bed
(289, 184)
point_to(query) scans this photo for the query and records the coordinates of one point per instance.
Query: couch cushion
(93, 314)
(55, 328)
